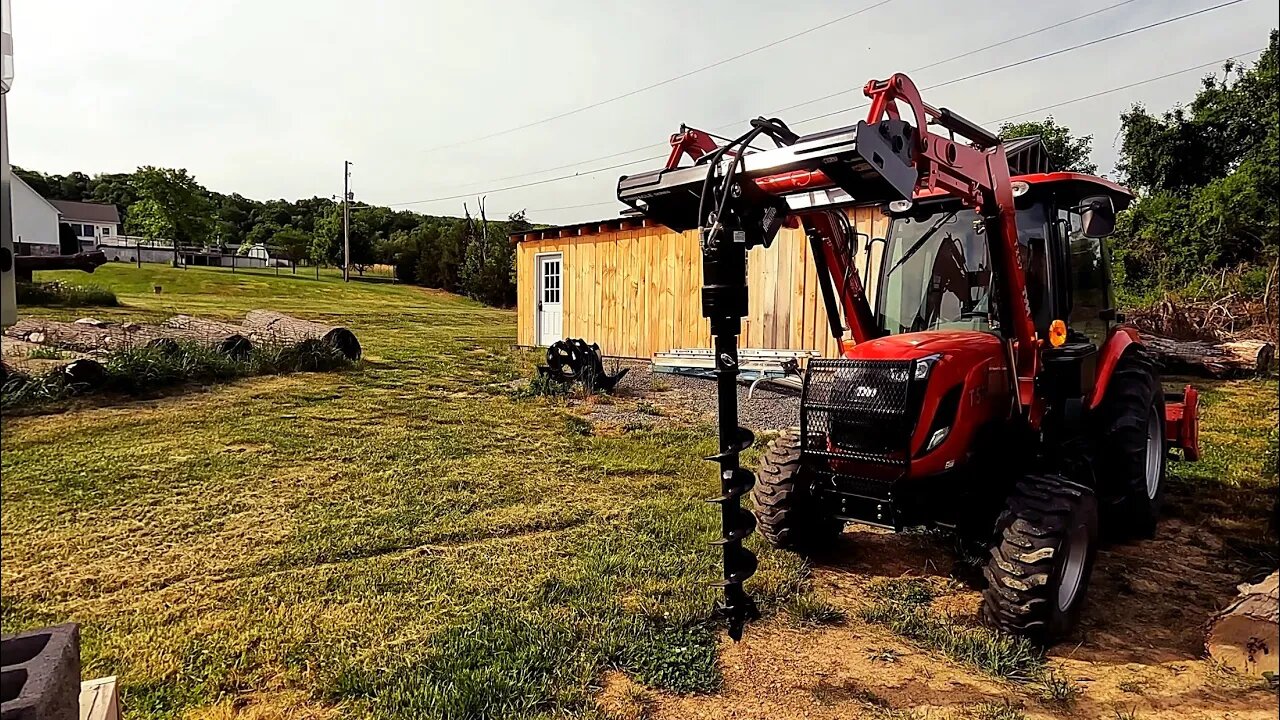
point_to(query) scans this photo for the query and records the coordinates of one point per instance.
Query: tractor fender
(1117, 343)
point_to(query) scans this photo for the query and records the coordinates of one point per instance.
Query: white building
(35, 221)
(93, 222)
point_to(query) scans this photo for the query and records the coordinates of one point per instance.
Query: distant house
(92, 222)
(35, 221)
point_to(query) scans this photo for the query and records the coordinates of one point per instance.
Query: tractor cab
(936, 271)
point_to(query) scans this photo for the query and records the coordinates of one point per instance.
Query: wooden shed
(633, 287)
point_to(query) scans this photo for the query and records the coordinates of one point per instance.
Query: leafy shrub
(65, 294)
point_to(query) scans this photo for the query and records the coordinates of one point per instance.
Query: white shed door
(550, 320)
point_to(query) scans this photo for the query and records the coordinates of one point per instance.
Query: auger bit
(724, 302)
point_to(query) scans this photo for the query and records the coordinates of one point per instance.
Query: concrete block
(40, 677)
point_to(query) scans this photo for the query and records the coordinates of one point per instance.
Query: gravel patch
(648, 399)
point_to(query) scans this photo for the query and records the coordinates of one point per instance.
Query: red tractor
(991, 388)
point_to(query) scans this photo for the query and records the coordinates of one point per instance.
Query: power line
(1100, 93)
(934, 64)
(1082, 98)
(945, 83)
(660, 83)
(931, 65)
(517, 187)
(1043, 56)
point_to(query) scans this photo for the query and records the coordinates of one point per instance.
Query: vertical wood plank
(669, 242)
(657, 269)
(782, 295)
(680, 298)
(799, 268)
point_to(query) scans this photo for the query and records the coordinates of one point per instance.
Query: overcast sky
(268, 97)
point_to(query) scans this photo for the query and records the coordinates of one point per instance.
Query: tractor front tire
(1130, 458)
(1040, 565)
(788, 515)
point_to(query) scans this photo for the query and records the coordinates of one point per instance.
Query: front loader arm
(976, 173)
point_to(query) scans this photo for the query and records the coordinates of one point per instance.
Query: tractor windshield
(938, 274)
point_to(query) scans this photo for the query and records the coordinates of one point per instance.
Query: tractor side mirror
(1097, 217)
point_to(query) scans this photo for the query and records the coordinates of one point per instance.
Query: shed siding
(636, 292)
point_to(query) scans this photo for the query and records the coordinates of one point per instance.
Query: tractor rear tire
(1131, 450)
(1040, 565)
(790, 518)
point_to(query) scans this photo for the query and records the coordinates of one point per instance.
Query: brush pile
(1229, 337)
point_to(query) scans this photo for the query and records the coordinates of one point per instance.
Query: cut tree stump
(1246, 636)
(1214, 359)
(268, 326)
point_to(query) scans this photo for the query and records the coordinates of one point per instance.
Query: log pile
(1232, 336)
(1246, 636)
(1219, 359)
(86, 339)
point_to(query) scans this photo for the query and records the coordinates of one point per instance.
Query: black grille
(859, 409)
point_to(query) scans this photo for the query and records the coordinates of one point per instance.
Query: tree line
(467, 255)
(1206, 174)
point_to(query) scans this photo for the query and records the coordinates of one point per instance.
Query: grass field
(409, 539)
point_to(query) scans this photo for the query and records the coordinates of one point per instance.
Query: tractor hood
(966, 346)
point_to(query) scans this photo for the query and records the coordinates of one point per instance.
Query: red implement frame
(977, 174)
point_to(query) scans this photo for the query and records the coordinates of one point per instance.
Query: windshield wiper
(915, 248)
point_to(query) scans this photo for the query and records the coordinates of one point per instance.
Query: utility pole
(346, 221)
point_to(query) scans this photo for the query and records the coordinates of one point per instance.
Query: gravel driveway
(646, 398)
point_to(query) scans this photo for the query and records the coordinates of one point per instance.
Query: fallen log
(268, 326)
(101, 338)
(1245, 636)
(227, 338)
(1214, 359)
(79, 337)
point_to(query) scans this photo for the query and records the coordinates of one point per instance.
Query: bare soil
(1138, 653)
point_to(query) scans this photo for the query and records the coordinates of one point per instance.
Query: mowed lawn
(409, 539)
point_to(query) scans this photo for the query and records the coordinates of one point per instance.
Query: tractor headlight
(936, 439)
(924, 366)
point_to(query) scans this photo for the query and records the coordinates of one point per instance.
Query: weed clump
(811, 609)
(65, 294)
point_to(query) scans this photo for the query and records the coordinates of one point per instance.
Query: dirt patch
(1138, 650)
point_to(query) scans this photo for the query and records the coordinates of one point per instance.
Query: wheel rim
(1073, 568)
(1155, 449)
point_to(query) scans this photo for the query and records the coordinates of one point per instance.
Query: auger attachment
(736, 522)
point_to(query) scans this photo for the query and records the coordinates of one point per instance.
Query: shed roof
(87, 212)
(583, 228)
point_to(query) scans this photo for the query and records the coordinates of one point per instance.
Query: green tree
(1208, 178)
(489, 260)
(292, 245)
(1068, 152)
(173, 206)
(148, 219)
